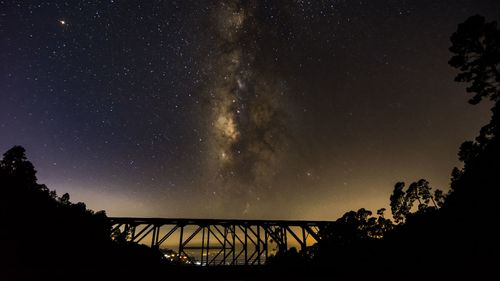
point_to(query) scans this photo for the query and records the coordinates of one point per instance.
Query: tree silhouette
(399, 207)
(476, 51)
(461, 229)
(472, 203)
(444, 231)
(35, 221)
(453, 231)
(16, 166)
(402, 202)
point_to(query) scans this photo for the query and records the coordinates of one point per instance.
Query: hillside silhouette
(47, 236)
(430, 234)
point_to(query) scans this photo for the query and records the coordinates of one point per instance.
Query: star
(250, 99)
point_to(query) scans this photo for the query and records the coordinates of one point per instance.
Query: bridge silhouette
(210, 242)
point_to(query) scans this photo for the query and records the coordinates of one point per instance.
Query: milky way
(247, 119)
(270, 109)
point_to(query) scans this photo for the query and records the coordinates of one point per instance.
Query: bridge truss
(211, 242)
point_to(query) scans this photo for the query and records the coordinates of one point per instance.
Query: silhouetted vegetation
(47, 236)
(433, 232)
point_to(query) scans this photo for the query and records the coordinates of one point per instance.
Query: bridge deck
(215, 221)
(218, 241)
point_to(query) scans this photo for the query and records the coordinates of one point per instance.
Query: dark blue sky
(274, 109)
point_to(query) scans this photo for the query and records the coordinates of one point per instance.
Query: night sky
(235, 109)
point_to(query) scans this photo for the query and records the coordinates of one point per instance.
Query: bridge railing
(210, 242)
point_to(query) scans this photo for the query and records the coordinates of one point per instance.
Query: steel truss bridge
(211, 242)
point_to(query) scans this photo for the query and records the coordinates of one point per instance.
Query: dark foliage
(476, 53)
(47, 236)
(435, 235)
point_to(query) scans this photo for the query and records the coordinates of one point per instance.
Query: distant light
(63, 22)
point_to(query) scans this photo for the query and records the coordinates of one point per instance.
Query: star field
(268, 109)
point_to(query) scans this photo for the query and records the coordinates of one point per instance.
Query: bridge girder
(211, 242)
